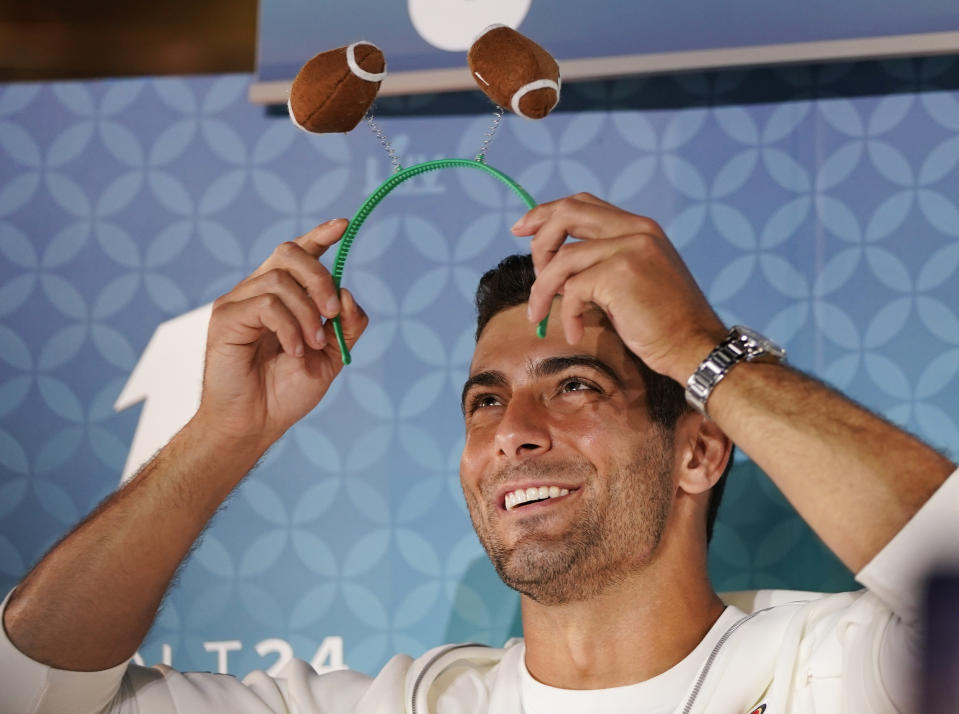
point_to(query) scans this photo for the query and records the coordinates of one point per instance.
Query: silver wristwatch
(741, 345)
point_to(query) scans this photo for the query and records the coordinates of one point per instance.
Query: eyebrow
(489, 378)
(543, 368)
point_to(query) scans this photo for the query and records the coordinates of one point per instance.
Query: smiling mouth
(525, 496)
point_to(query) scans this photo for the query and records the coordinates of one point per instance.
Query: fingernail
(332, 306)
(529, 312)
(298, 350)
(321, 337)
(518, 224)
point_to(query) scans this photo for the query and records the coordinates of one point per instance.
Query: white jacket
(846, 652)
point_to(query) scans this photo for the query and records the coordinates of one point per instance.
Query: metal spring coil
(490, 134)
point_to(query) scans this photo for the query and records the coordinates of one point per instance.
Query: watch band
(740, 345)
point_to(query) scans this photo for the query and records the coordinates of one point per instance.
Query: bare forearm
(855, 478)
(88, 604)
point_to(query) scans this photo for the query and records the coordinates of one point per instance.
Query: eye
(575, 384)
(481, 401)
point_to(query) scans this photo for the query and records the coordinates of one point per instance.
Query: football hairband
(335, 89)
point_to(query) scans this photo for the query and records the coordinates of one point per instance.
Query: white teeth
(524, 495)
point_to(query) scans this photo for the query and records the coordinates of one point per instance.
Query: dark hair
(509, 283)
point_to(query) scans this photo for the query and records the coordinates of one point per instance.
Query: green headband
(381, 192)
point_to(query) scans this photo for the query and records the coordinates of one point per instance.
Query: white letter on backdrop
(221, 648)
(330, 651)
(275, 646)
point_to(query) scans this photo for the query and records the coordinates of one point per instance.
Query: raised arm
(855, 478)
(270, 358)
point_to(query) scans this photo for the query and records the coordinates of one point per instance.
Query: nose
(523, 432)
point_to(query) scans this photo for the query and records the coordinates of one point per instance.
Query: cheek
(471, 462)
(588, 428)
(480, 435)
(472, 494)
(603, 441)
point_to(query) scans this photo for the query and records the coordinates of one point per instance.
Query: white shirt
(659, 695)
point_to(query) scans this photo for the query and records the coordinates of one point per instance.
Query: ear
(334, 89)
(515, 72)
(702, 451)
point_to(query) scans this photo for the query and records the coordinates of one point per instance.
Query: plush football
(515, 72)
(334, 90)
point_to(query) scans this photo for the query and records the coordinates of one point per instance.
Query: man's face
(568, 423)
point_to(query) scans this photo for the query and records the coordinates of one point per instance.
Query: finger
(353, 320)
(547, 241)
(586, 217)
(577, 299)
(282, 284)
(244, 322)
(536, 213)
(572, 259)
(317, 240)
(552, 227)
(587, 197)
(582, 216)
(312, 275)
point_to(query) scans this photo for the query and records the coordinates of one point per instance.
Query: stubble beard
(610, 540)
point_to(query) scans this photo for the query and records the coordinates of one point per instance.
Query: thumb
(352, 318)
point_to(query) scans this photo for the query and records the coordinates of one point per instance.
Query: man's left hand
(624, 264)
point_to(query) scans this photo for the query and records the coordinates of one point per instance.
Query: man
(590, 503)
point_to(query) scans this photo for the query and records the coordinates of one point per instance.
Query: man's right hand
(270, 357)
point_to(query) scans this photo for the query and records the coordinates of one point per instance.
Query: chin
(550, 573)
(559, 571)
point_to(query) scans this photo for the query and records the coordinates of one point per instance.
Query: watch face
(761, 343)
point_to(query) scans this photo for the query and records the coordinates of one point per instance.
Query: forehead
(509, 343)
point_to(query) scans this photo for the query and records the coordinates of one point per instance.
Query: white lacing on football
(359, 71)
(289, 109)
(532, 87)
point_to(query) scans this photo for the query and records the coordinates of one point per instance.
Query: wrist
(691, 350)
(740, 344)
(216, 438)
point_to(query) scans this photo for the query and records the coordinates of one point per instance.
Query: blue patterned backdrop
(818, 204)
